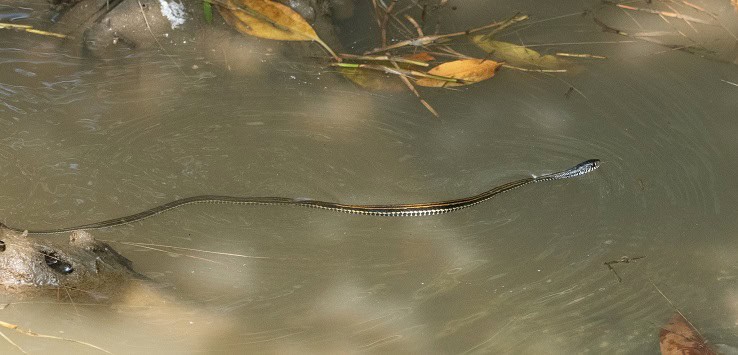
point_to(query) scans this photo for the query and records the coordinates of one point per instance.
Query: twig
(505, 24)
(69, 295)
(384, 58)
(193, 249)
(12, 343)
(171, 252)
(662, 13)
(645, 37)
(580, 55)
(431, 39)
(375, 7)
(148, 26)
(452, 52)
(676, 309)
(30, 29)
(623, 260)
(37, 335)
(385, 18)
(415, 24)
(411, 87)
(699, 8)
(688, 22)
(400, 72)
(504, 65)
(456, 55)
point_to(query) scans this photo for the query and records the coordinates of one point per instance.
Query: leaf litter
(405, 59)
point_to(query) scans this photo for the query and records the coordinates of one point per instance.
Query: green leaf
(207, 8)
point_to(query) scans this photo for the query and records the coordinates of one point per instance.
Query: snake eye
(56, 263)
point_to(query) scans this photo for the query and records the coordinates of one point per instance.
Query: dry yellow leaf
(268, 19)
(515, 54)
(470, 71)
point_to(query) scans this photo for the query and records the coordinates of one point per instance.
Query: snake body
(399, 210)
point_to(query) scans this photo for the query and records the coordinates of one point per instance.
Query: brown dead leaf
(515, 54)
(678, 337)
(467, 71)
(268, 19)
(423, 56)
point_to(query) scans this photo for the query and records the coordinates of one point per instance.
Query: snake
(389, 210)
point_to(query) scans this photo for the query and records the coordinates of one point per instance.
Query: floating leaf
(270, 20)
(516, 54)
(466, 71)
(678, 337)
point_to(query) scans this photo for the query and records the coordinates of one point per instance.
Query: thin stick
(167, 251)
(69, 295)
(377, 15)
(676, 309)
(384, 58)
(426, 40)
(399, 71)
(533, 70)
(143, 14)
(688, 23)
(30, 29)
(415, 24)
(505, 24)
(581, 43)
(37, 335)
(197, 250)
(580, 55)
(411, 87)
(385, 18)
(12, 343)
(663, 13)
(452, 52)
(699, 8)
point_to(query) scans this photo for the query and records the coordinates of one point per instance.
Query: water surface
(86, 139)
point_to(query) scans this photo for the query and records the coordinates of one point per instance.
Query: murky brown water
(85, 140)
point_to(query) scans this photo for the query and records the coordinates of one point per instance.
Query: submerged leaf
(207, 9)
(467, 71)
(268, 19)
(678, 337)
(372, 79)
(515, 54)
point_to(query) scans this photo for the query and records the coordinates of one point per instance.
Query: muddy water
(85, 140)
